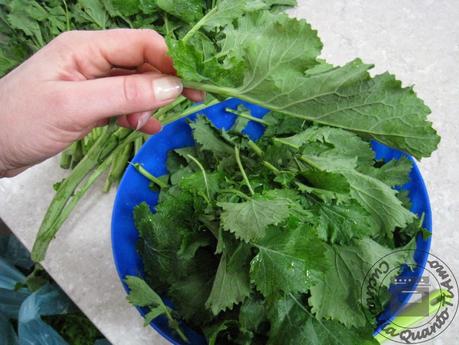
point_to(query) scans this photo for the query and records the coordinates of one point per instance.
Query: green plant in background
(33, 309)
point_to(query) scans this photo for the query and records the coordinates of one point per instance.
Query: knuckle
(66, 37)
(133, 90)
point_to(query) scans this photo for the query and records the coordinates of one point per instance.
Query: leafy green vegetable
(143, 296)
(338, 295)
(272, 60)
(254, 243)
(231, 283)
(269, 260)
(289, 261)
(292, 324)
(248, 220)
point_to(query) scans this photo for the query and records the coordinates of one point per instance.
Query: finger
(146, 67)
(123, 121)
(194, 95)
(143, 122)
(96, 52)
(96, 99)
(191, 94)
(121, 71)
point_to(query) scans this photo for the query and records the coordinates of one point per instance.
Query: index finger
(97, 52)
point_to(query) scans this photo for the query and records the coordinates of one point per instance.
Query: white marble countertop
(418, 40)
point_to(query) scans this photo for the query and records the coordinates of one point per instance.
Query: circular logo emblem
(412, 303)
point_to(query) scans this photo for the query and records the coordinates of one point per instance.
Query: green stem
(255, 148)
(66, 159)
(163, 110)
(55, 214)
(76, 153)
(117, 167)
(241, 168)
(110, 141)
(166, 25)
(187, 112)
(139, 167)
(236, 192)
(271, 167)
(219, 90)
(67, 17)
(217, 56)
(247, 116)
(198, 25)
(259, 152)
(138, 145)
(311, 163)
(283, 142)
(204, 175)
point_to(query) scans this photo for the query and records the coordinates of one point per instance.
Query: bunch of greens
(25, 26)
(33, 309)
(245, 49)
(269, 242)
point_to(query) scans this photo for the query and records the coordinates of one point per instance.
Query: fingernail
(167, 88)
(143, 119)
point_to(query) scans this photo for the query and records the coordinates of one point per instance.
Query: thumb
(97, 99)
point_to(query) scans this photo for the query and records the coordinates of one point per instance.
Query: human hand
(77, 82)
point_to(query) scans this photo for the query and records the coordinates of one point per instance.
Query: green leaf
(152, 314)
(141, 294)
(249, 220)
(343, 222)
(377, 198)
(31, 28)
(333, 143)
(393, 173)
(209, 138)
(268, 47)
(227, 11)
(187, 10)
(380, 200)
(277, 51)
(293, 324)
(231, 285)
(126, 7)
(252, 314)
(288, 261)
(96, 11)
(191, 293)
(212, 333)
(338, 296)
(195, 65)
(6, 63)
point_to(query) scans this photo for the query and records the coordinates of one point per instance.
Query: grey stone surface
(418, 40)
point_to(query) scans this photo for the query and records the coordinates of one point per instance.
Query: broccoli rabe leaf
(231, 284)
(281, 71)
(249, 220)
(338, 296)
(288, 261)
(292, 324)
(142, 295)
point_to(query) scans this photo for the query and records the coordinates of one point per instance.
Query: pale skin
(79, 81)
